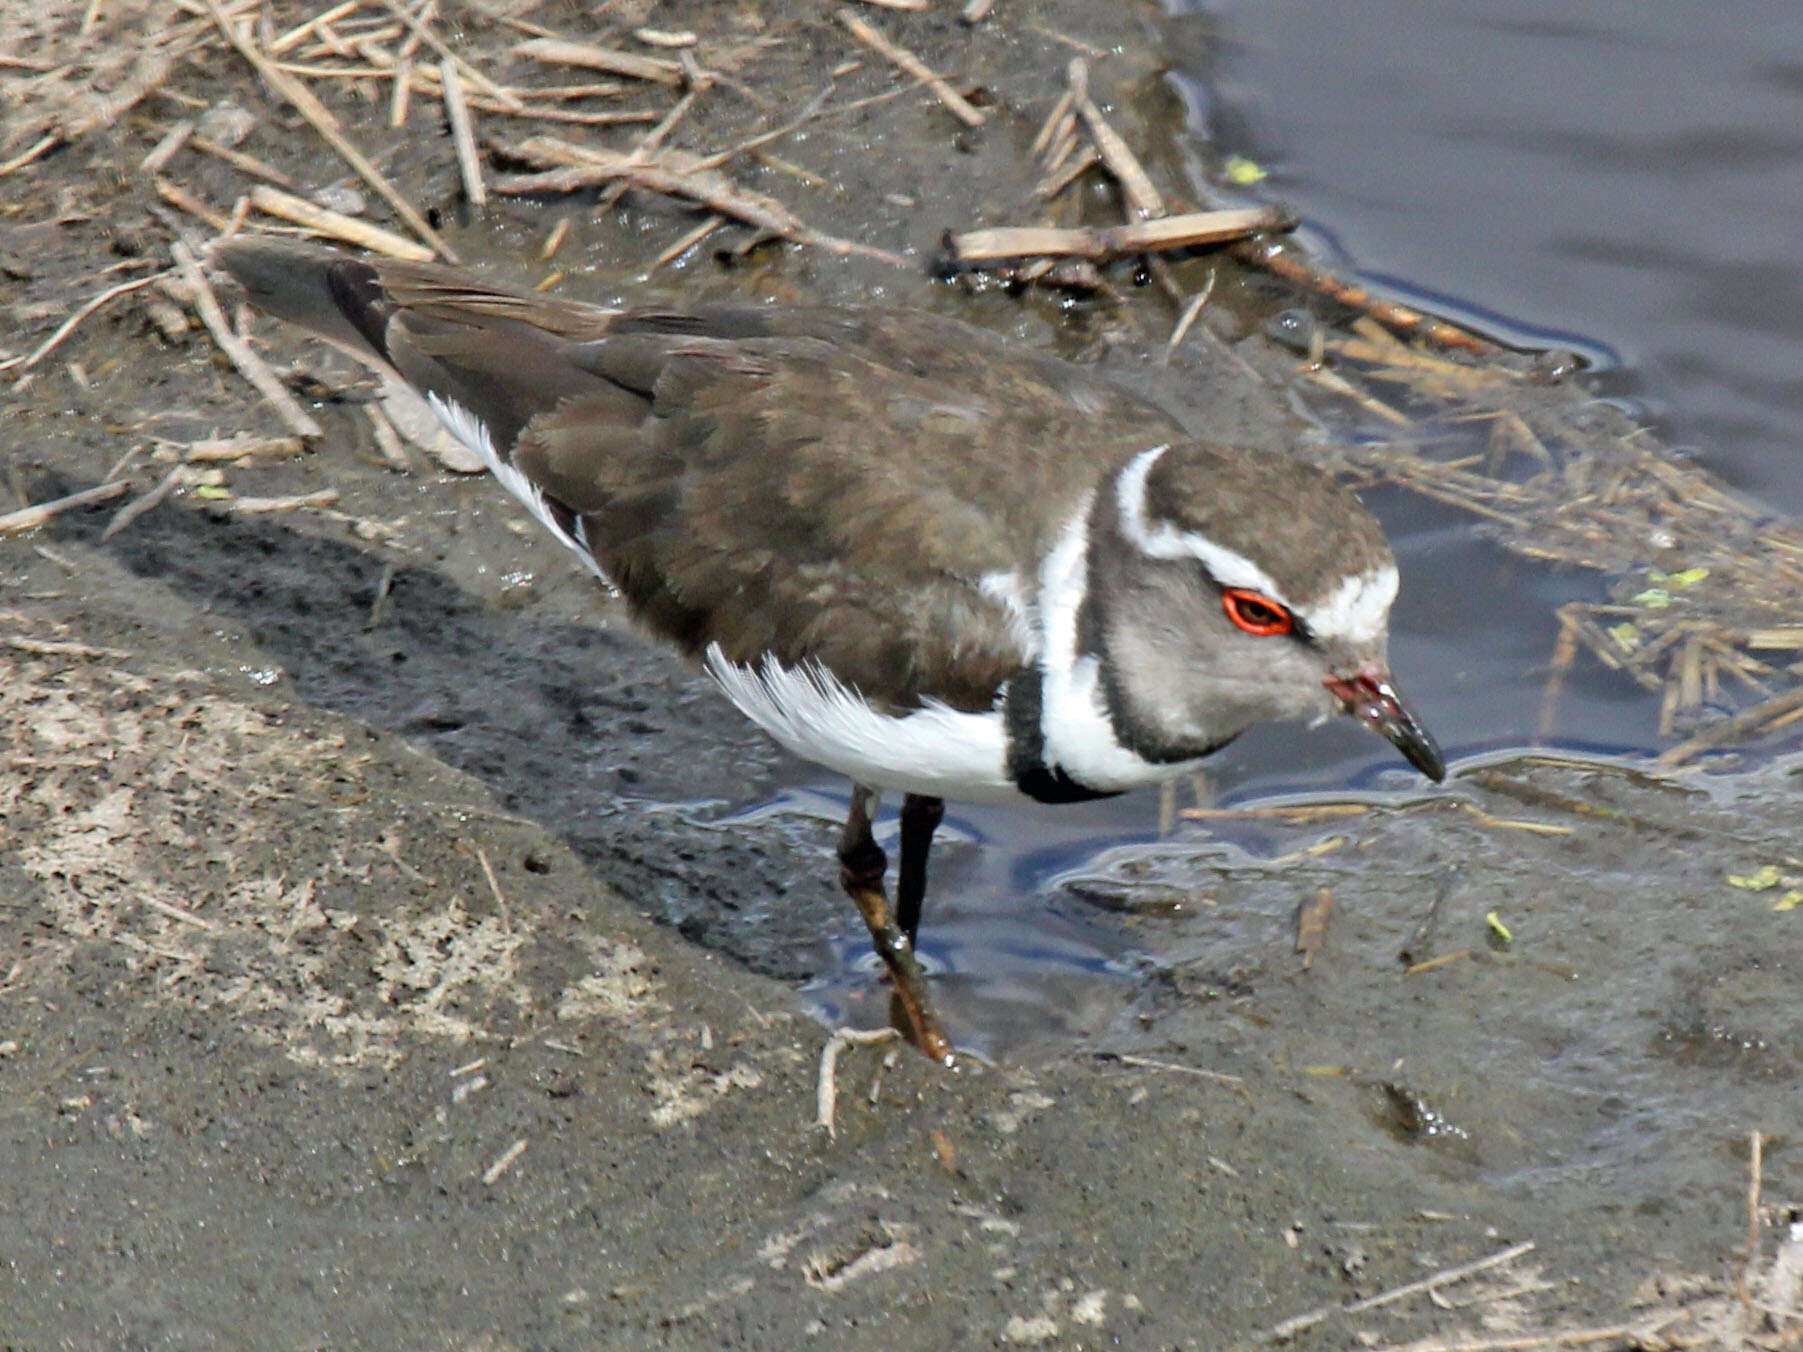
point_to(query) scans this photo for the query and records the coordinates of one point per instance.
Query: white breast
(935, 750)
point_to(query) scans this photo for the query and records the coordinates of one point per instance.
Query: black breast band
(1023, 710)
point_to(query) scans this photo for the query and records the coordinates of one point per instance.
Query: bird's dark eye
(1254, 613)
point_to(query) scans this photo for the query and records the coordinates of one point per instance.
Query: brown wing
(825, 483)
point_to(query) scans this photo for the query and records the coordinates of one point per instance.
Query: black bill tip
(1374, 702)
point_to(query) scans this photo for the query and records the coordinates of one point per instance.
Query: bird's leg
(861, 867)
(920, 817)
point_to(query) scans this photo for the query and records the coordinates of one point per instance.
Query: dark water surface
(1621, 179)
(1615, 175)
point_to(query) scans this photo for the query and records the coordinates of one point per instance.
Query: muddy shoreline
(376, 968)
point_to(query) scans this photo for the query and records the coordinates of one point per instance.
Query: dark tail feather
(332, 295)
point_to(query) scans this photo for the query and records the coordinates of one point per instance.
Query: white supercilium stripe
(1164, 541)
(1355, 611)
(474, 433)
(934, 750)
(1358, 608)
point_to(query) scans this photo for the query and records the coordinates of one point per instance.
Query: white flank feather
(474, 433)
(935, 750)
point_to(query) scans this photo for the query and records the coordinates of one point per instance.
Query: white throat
(1078, 736)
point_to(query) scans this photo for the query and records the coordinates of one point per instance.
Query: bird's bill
(1374, 702)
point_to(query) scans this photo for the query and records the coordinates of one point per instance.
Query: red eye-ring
(1254, 613)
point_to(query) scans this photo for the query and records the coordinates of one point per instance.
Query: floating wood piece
(560, 52)
(959, 106)
(1100, 244)
(336, 225)
(29, 518)
(252, 367)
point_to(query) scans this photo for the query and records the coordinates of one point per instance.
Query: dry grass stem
(246, 164)
(388, 441)
(689, 239)
(50, 647)
(1143, 199)
(296, 502)
(1289, 1328)
(1192, 312)
(238, 449)
(910, 64)
(445, 54)
(307, 104)
(302, 31)
(463, 136)
(1273, 257)
(676, 174)
(336, 225)
(492, 1174)
(183, 200)
(42, 146)
(68, 326)
(136, 508)
(587, 56)
(1175, 1068)
(167, 148)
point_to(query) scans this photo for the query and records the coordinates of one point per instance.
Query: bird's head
(1230, 587)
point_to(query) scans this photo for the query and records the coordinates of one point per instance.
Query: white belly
(936, 750)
